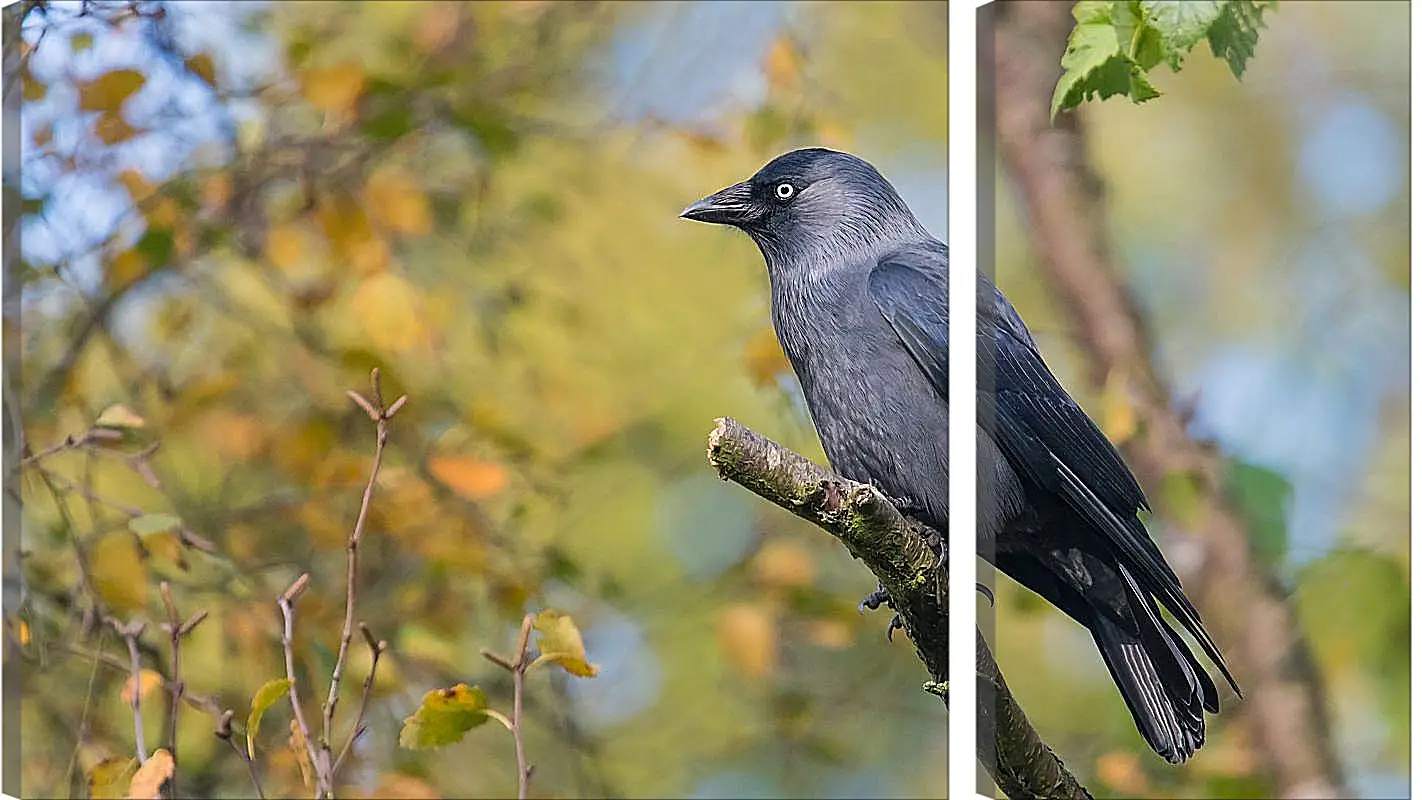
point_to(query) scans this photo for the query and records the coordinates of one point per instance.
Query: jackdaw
(859, 302)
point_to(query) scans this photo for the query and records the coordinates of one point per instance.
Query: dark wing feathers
(911, 291)
(1052, 442)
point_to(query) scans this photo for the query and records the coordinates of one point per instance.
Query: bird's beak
(730, 206)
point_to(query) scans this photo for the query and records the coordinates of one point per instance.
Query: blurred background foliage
(1263, 225)
(231, 212)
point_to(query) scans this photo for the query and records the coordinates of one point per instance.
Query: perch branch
(896, 550)
(1065, 221)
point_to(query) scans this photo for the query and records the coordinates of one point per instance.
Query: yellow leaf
(139, 187)
(469, 478)
(112, 128)
(166, 547)
(202, 66)
(23, 633)
(562, 643)
(233, 434)
(271, 691)
(286, 245)
(32, 90)
(764, 359)
(151, 776)
(784, 564)
(108, 91)
(396, 203)
(387, 307)
(148, 680)
(119, 415)
(348, 227)
(296, 743)
(108, 779)
(782, 64)
(120, 576)
(125, 268)
(163, 214)
(1118, 414)
(333, 89)
(746, 635)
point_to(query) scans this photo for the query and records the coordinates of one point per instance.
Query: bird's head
(808, 203)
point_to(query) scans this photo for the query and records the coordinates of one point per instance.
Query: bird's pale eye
(784, 191)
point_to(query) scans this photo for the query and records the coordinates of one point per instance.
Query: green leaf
(444, 716)
(109, 778)
(1262, 497)
(1181, 24)
(1097, 61)
(271, 691)
(156, 246)
(80, 42)
(153, 523)
(1234, 34)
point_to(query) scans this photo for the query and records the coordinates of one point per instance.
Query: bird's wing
(910, 288)
(1052, 443)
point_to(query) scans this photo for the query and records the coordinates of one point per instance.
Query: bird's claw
(874, 599)
(894, 624)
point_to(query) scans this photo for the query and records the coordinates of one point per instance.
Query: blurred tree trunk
(1065, 218)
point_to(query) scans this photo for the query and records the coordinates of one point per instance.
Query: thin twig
(130, 634)
(375, 408)
(176, 630)
(224, 731)
(521, 664)
(83, 731)
(288, 614)
(376, 648)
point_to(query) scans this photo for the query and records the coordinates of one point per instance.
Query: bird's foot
(906, 506)
(939, 548)
(897, 623)
(874, 599)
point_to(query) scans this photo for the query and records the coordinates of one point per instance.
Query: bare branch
(288, 614)
(130, 634)
(895, 549)
(376, 649)
(515, 726)
(376, 409)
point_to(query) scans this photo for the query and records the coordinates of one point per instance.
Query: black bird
(859, 300)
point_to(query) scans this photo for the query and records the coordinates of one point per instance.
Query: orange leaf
(151, 776)
(782, 64)
(286, 245)
(138, 186)
(470, 478)
(396, 203)
(148, 680)
(334, 89)
(746, 635)
(784, 564)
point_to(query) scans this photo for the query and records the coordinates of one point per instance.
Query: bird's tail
(1165, 688)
